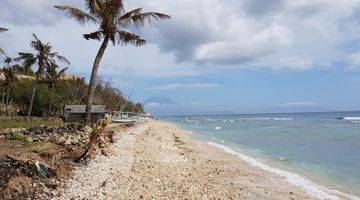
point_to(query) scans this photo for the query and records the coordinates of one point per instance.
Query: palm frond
(125, 37)
(24, 56)
(8, 60)
(139, 19)
(2, 51)
(93, 36)
(125, 19)
(63, 59)
(94, 6)
(112, 8)
(77, 14)
(61, 72)
(35, 37)
(3, 29)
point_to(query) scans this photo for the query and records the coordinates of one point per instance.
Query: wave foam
(292, 178)
(266, 118)
(351, 118)
(283, 119)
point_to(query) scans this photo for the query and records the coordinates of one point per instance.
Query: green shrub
(37, 149)
(18, 137)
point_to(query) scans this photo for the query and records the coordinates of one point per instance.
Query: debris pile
(22, 179)
(36, 162)
(70, 134)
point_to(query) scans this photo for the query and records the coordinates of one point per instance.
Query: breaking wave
(309, 187)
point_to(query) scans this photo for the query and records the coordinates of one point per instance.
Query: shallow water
(324, 147)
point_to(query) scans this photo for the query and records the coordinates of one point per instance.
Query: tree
(113, 21)
(42, 56)
(10, 79)
(2, 30)
(52, 78)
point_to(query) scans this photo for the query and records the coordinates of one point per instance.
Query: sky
(214, 56)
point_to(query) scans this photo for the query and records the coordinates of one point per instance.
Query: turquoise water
(323, 147)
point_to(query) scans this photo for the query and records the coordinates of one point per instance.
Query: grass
(18, 137)
(37, 149)
(28, 124)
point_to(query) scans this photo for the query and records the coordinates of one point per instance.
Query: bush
(70, 91)
(37, 149)
(18, 137)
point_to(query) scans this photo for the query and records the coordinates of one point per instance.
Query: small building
(77, 113)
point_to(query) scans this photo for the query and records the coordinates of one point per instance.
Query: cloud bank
(201, 36)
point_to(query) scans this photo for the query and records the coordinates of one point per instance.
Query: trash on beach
(40, 169)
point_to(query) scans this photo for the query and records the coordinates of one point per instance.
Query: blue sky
(215, 56)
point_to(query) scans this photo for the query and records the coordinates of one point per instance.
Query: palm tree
(52, 78)
(2, 30)
(10, 79)
(113, 21)
(43, 56)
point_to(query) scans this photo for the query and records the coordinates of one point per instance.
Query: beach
(157, 160)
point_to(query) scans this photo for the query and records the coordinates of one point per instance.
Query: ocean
(319, 152)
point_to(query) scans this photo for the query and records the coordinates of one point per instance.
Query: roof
(82, 108)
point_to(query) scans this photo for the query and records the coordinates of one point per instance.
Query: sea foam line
(309, 187)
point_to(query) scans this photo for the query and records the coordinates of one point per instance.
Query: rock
(67, 142)
(61, 140)
(88, 129)
(75, 141)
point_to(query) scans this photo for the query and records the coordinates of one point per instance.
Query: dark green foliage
(70, 91)
(18, 137)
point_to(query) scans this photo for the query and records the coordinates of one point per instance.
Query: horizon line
(272, 113)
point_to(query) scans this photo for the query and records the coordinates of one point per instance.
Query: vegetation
(63, 92)
(43, 57)
(10, 79)
(28, 124)
(112, 20)
(18, 137)
(37, 149)
(47, 91)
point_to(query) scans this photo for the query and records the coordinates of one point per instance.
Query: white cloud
(236, 33)
(296, 63)
(296, 104)
(174, 86)
(243, 44)
(289, 34)
(354, 60)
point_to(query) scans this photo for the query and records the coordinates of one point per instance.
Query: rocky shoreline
(157, 160)
(36, 162)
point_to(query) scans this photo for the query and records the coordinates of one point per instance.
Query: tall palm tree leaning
(42, 56)
(113, 21)
(2, 30)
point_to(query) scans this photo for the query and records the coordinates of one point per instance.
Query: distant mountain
(159, 101)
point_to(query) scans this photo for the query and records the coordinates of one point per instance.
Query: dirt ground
(20, 178)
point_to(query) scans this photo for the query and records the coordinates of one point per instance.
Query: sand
(160, 161)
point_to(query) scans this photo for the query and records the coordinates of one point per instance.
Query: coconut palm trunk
(3, 97)
(51, 98)
(7, 100)
(93, 79)
(31, 101)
